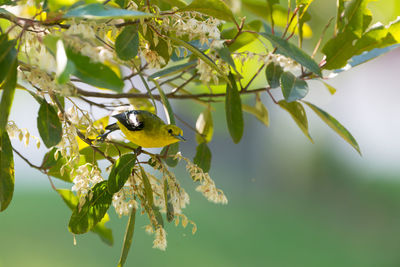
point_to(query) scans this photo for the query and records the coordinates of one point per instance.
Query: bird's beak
(120, 117)
(180, 137)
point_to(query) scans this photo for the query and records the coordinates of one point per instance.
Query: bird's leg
(138, 151)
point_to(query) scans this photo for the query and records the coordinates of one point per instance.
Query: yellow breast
(147, 137)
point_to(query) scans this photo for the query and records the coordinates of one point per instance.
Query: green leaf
(172, 150)
(49, 125)
(53, 166)
(273, 73)
(100, 11)
(335, 125)
(233, 109)
(167, 199)
(204, 126)
(127, 43)
(88, 213)
(112, 150)
(8, 74)
(215, 8)
(171, 70)
(177, 3)
(100, 229)
(259, 111)
(130, 229)
(293, 88)
(226, 56)
(94, 73)
(203, 157)
(292, 51)
(338, 50)
(330, 88)
(147, 188)
(296, 110)
(354, 15)
(7, 177)
(200, 55)
(120, 172)
(8, 54)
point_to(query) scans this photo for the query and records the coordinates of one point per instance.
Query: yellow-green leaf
(204, 126)
(335, 125)
(296, 110)
(214, 8)
(259, 111)
(120, 172)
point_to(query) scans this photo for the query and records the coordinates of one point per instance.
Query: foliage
(140, 53)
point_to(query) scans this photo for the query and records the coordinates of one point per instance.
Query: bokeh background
(291, 203)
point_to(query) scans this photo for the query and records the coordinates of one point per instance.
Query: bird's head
(173, 132)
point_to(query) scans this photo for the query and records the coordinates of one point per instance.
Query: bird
(144, 129)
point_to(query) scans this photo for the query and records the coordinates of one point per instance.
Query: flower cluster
(207, 185)
(195, 26)
(86, 176)
(22, 134)
(123, 201)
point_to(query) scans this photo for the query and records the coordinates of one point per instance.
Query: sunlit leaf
(215, 8)
(177, 3)
(120, 172)
(330, 88)
(49, 125)
(203, 157)
(290, 50)
(259, 111)
(335, 125)
(204, 126)
(233, 109)
(96, 203)
(100, 11)
(263, 10)
(6, 171)
(244, 38)
(293, 88)
(296, 110)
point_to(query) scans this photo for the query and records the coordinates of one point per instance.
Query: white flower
(85, 179)
(160, 240)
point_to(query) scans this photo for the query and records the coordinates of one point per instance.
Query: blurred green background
(291, 203)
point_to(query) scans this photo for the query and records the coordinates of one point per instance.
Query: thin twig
(27, 161)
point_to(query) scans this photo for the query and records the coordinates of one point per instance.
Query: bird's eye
(170, 131)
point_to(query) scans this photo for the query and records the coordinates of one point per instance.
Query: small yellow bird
(145, 129)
